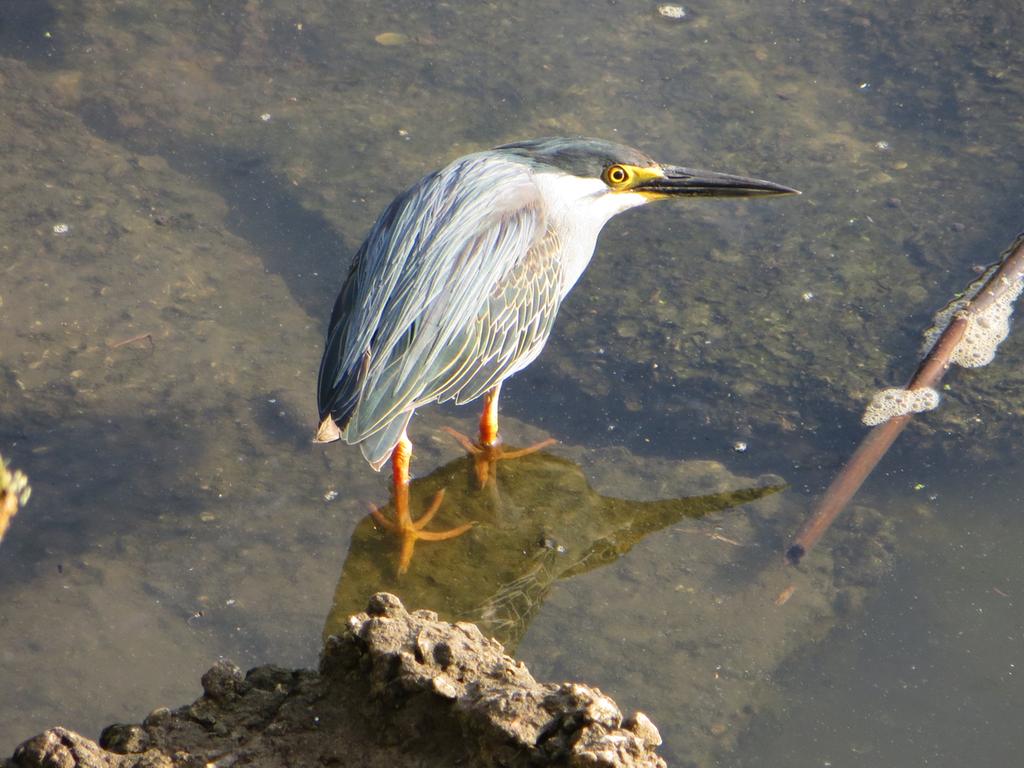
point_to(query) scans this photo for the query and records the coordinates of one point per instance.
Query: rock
(157, 716)
(269, 677)
(124, 739)
(223, 681)
(61, 748)
(394, 689)
(495, 699)
(641, 725)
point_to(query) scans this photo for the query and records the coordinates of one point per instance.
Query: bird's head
(623, 177)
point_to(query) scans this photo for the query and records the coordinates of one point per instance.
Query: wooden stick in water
(928, 375)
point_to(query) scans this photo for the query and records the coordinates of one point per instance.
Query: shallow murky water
(215, 170)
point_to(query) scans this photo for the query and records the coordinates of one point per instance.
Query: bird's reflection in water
(537, 522)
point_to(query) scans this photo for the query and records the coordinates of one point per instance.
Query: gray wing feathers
(511, 328)
(378, 446)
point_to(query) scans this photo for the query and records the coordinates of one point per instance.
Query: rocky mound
(395, 688)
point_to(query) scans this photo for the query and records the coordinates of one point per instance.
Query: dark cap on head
(578, 156)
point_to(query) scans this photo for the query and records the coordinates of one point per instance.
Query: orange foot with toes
(410, 531)
(486, 456)
(488, 452)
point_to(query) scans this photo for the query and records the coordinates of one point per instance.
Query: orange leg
(489, 418)
(488, 451)
(410, 531)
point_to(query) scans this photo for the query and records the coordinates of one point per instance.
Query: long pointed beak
(690, 182)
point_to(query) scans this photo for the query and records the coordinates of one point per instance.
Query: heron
(457, 285)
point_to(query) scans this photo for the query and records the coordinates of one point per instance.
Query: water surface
(216, 169)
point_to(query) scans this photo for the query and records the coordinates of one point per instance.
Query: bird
(458, 283)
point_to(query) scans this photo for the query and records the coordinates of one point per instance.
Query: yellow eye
(616, 175)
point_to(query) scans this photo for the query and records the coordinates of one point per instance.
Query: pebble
(672, 11)
(444, 687)
(391, 38)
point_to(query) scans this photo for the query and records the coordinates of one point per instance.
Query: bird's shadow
(538, 522)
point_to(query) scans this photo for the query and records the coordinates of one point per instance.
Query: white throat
(578, 208)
